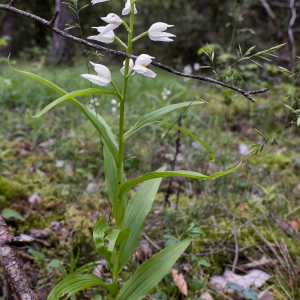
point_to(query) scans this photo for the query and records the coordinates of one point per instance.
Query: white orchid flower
(103, 78)
(107, 38)
(156, 32)
(140, 65)
(98, 1)
(127, 8)
(113, 20)
(131, 65)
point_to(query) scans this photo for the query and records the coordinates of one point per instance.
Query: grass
(58, 155)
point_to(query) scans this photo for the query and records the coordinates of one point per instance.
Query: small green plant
(117, 244)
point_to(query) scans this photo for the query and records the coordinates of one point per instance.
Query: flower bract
(140, 65)
(127, 8)
(109, 37)
(103, 78)
(131, 65)
(156, 33)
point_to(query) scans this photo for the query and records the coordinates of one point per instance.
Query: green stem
(117, 90)
(140, 36)
(120, 42)
(126, 26)
(121, 143)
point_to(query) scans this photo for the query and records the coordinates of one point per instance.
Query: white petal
(102, 70)
(108, 29)
(127, 8)
(104, 39)
(144, 59)
(98, 1)
(96, 79)
(159, 26)
(144, 71)
(112, 19)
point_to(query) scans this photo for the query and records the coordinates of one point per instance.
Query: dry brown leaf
(206, 296)
(259, 263)
(180, 282)
(35, 198)
(265, 296)
(40, 234)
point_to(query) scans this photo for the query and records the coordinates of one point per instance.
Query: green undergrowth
(59, 157)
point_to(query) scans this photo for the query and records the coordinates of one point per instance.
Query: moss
(12, 189)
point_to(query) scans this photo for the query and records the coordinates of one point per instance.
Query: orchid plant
(118, 244)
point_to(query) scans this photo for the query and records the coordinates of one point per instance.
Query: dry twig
(10, 8)
(11, 265)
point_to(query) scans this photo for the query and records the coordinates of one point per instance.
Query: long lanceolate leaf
(76, 283)
(129, 184)
(211, 156)
(95, 119)
(149, 274)
(70, 96)
(110, 169)
(135, 216)
(149, 118)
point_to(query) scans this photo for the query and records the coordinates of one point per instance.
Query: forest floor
(51, 173)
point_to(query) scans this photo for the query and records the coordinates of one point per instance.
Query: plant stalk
(121, 143)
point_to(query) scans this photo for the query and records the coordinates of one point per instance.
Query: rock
(93, 187)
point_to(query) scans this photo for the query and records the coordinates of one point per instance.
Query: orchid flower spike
(98, 1)
(107, 38)
(140, 65)
(127, 8)
(156, 32)
(131, 65)
(103, 78)
(113, 20)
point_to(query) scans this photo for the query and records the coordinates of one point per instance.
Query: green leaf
(256, 63)
(70, 96)
(249, 50)
(259, 132)
(115, 237)
(135, 216)
(149, 118)
(250, 294)
(110, 170)
(149, 274)
(211, 156)
(11, 213)
(57, 265)
(241, 52)
(98, 122)
(190, 174)
(76, 283)
(234, 286)
(83, 7)
(88, 267)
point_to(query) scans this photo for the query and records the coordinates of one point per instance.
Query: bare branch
(291, 35)
(272, 16)
(54, 19)
(12, 266)
(11, 3)
(49, 24)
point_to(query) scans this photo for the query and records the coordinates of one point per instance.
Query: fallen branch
(11, 265)
(49, 24)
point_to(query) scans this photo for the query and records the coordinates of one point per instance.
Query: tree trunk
(7, 30)
(62, 50)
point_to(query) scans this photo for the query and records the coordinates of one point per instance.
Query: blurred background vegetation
(56, 160)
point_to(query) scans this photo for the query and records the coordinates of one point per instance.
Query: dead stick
(12, 266)
(49, 24)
